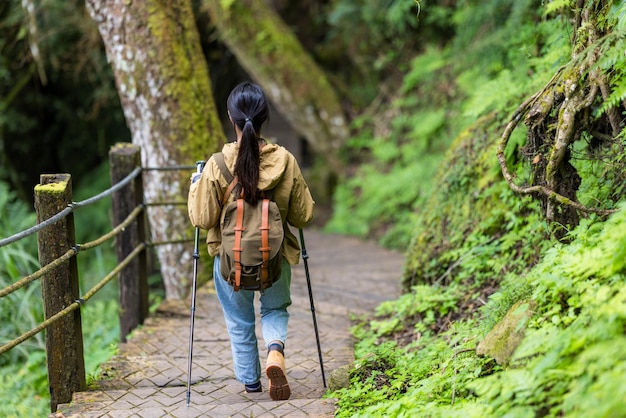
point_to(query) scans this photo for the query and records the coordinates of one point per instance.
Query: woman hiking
(257, 166)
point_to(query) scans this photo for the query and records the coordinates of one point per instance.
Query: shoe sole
(279, 387)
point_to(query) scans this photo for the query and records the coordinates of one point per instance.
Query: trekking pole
(196, 256)
(305, 258)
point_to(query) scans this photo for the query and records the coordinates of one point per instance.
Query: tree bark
(274, 58)
(164, 87)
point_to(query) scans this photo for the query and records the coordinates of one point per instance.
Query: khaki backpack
(252, 237)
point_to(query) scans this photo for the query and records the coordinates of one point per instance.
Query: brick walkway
(148, 377)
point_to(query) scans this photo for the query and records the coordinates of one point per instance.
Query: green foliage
(18, 312)
(404, 156)
(557, 5)
(385, 18)
(62, 101)
(579, 327)
(612, 60)
(476, 247)
(475, 229)
(416, 313)
(374, 37)
(446, 93)
(102, 333)
(24, 383)
(23, 377)
(601, 168)
(24, 388)
(570, 363)
(387, 196)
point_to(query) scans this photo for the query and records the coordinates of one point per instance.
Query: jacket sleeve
(204, 200)
(301, 202)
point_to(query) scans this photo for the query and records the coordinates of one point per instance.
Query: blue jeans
(239, 315)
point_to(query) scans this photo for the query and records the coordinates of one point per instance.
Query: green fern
(557, 5)
(613, 61)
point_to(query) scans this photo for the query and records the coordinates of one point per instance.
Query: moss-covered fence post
(133, 279)
(59, 288)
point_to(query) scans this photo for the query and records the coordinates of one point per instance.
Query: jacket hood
(274, 159)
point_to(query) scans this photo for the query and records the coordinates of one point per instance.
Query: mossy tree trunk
(272, 55)
(164, 87)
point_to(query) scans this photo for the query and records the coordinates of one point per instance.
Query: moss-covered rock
(501, 342)
(340, 378)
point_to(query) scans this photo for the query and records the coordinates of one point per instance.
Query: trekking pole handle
(199, 167)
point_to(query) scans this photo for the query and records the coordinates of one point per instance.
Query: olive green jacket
(279, 170)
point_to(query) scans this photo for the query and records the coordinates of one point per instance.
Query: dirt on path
(148, 378)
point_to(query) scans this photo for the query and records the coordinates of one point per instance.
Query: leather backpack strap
(232, 180)
(265, 239)
(237, 248)
(229, 190)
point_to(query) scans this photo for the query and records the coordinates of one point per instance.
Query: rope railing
(69, 254)
(75, 305)
(58, 254)
(36, 228)
(70, 208)
(114, 272)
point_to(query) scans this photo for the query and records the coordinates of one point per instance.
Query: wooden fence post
(59, 287)
(124, 158)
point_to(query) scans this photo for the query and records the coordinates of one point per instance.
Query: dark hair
(248, 110)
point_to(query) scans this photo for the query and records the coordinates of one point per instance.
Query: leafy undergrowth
(570, 363)
(474, 248)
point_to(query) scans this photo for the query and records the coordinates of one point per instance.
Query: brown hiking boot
(275, 370)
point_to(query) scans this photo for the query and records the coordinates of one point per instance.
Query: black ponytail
(248, 110)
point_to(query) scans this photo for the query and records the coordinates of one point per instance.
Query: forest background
(485, 139)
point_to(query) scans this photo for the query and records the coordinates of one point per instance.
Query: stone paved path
(148, 378)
